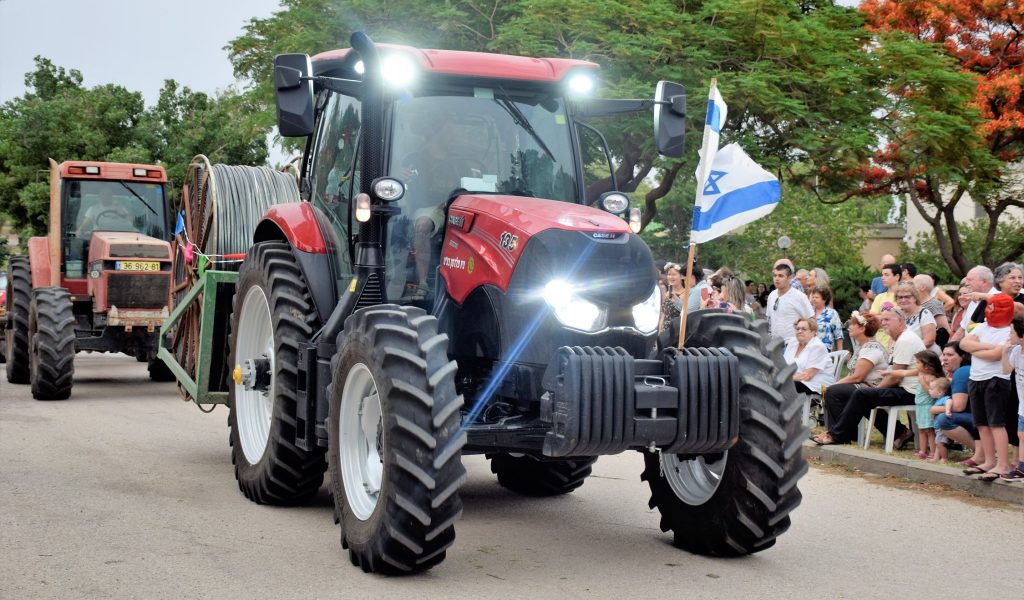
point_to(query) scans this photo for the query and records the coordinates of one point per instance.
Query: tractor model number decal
(456, 221)
(509, 241)
(454, 263)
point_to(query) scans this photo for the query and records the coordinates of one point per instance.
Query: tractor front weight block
(604, 401)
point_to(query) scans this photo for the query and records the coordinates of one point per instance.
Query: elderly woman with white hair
(1009, 278)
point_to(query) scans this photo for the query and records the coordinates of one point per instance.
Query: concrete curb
(914, 470)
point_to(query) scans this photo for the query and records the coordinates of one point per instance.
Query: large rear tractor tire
(272, 313)
(159, 371)
(19, 297)
(532, 476)
(51, 343)
(394, 440)
(737, 502)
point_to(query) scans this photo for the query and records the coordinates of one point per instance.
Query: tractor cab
(94, 205)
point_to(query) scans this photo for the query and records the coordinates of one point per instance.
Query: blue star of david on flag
(711, 187)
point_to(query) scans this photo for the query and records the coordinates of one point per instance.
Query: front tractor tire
(531, 476)
(19, 297)
(159, 371)
(737, 502)
(272, 312)
(51, 344)
(394, 440)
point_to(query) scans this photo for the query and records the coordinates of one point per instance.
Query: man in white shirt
(785, 305)
(982, 283)
(897, 388)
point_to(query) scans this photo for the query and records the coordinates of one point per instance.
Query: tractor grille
(138, 251)
(138, 291)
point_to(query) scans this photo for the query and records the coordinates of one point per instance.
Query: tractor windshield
(95, 205)
(489, 141)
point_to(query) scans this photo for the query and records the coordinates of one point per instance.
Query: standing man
(802, 276)
(793, 281)
(897, 388)
(890, 277)
(877, 287)
(982, 284)
(786, 305)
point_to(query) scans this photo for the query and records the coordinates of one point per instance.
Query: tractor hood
(488, 235)
(120, 245)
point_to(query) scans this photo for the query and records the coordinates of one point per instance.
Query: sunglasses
(776, 305)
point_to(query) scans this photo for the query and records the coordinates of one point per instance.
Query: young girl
(939, 391)
(928, 369)
(1013, 361)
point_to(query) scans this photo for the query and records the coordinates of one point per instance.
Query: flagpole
(686, 293)
(693, 247)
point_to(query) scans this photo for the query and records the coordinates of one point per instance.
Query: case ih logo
(509, 241)
(454, 263)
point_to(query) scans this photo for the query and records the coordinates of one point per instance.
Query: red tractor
(449, 287)
(99, 281)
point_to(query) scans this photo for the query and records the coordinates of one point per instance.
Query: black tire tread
(531, 476)
(413, 523)
(53, 369)
(287, 474)
(752, 506)
(159, 371)
(19, 296)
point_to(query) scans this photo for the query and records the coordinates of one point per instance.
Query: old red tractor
(99, 281)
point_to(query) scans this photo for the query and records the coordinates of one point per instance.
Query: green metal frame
(199, 389)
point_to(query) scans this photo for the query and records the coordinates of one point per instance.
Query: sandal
(991, 476)
(974, 471)
(967, 462)
(824, 439)
(902, 440)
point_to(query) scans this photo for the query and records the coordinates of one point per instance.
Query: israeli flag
(713, 122)
(736, 191)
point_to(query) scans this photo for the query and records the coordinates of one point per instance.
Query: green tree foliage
(184, 123)
(794, 74)
(59, 118)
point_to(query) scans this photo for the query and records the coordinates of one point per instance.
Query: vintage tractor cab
(99, 281)
(449, 287)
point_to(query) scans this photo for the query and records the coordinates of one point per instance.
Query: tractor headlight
(615, 203)
(398, 70)
(388, 189)
(647, 313)
(572, 310)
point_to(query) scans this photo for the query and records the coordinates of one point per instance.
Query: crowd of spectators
(956, 358)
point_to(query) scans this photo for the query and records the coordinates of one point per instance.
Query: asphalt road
(126, 491)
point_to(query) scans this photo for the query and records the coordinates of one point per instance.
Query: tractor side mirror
(669, 118)
(294, 94)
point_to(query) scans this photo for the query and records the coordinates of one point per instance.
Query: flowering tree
(980, 115)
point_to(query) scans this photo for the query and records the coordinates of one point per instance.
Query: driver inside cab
(431, 173)
(103, 212)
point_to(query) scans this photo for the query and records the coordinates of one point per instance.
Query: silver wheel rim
(254, 408)
(360, 437)
(693, 481)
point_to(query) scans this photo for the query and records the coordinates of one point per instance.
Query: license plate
(136, 265)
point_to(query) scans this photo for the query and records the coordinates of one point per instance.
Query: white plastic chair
(838, 357)
(893, 413)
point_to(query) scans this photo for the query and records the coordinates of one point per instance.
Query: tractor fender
(39, 261)
(298, 225)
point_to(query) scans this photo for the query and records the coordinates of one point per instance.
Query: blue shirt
(877, 286)
(830, 327)
(960, 378)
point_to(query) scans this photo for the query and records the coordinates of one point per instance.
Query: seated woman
(954, 422)
(865, 366)
(813, 366)
(919, 320)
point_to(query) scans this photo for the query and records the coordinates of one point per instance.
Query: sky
(134, 43)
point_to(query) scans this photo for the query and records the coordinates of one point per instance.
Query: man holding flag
(732, 190)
